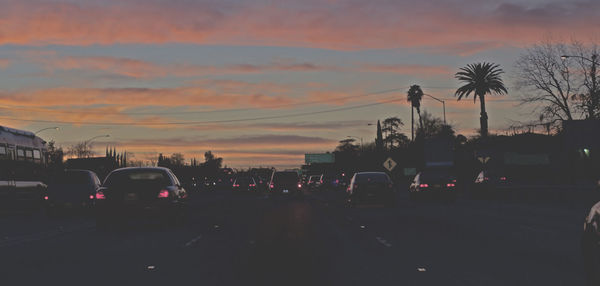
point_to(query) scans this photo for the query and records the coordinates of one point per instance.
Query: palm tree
(480, 79)
(414, 96)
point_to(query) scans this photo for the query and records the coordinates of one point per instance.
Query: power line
(199, 112)
(205, 122)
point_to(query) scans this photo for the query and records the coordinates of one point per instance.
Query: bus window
(2, 150)
(37, 155)
(20, 153)
(29, 154)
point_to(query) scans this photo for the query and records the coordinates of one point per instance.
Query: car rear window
(285, 177)
(243, 181)
(436, 175)
(72, 177)
(373, 177)
(157, 177)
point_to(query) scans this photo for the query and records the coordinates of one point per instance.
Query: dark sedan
(71, 189)
(371, 188)
(590, 244)
(487, 182)
(244, 184)
(147, 192)
(285, 182)
(433, 183)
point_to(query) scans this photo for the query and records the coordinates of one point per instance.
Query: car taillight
(502, 178)
(252, 185)
(423, 186)
(235, 185)
(100, 195)
(163, 194)
(91, 197)
(486, 178)
(299, 185)
(45, 198)
(337, 181)
(450, 185)
(272, 186)
(454, 181)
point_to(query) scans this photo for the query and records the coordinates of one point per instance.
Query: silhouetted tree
(347, 145)
(54, 154)
(414, 96)
(564, 88)
(379, 139)
(391, 128)
(480, 79)
(177, 159)
(434, 127)
(80, 150)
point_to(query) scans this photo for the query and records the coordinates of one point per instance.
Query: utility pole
(594, 93)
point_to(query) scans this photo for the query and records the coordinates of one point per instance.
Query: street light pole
(99, 136)
(443, 104)
(47, 128)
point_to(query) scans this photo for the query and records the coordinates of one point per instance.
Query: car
(313, 182)
(487, 182)
(285, 182)
(370, 188)
(244, 184)
(140, 192)
(433, 184)
(71, 189)
(329, 182)
(590, 245)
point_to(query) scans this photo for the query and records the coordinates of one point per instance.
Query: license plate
(437, 186)
(131, 197)
(286, 191)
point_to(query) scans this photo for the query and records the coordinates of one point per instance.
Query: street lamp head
(564, 57)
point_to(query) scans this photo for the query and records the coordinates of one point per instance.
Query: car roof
(371, 173)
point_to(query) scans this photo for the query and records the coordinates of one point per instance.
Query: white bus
(22, 166)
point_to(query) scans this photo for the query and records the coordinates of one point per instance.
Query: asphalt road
(239, 239)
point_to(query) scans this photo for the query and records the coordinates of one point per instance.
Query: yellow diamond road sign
(389, 164)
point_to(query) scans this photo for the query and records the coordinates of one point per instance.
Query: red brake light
(450, 185)
(502, 178)
(91, 197)
(252, 185)
(45, 198)
(423, 186)
(163, 194)
(235, 185)
(272, 186)
(100, 195)
(299, 185)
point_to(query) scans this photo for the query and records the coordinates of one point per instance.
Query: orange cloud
(144, 69)
(132, 97)
(334, 25)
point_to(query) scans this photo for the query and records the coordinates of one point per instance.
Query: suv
(285, 182)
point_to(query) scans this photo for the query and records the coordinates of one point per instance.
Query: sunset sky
(182, 76)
